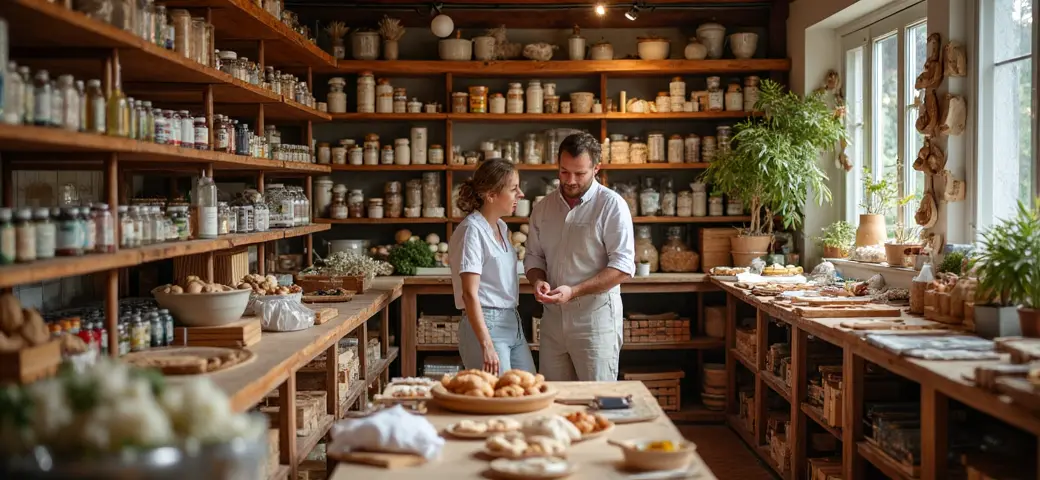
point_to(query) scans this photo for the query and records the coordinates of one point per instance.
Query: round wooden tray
(499, 469)
(196, 360)
(492, 406)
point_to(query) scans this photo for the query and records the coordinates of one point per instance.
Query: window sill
(896, 277)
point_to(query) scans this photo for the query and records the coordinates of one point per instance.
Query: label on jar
(201, 137)
(262, 220)
(221, 138)
(207, 222)
(26, 243)
(45, 234)
(42, 108)
(89, 235)
(106, 237)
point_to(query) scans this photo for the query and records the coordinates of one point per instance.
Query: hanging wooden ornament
(930, 158)
(954, 190)
(932, 76)
(928, 212)
(955, 63)
(928, 116)
(955, 112)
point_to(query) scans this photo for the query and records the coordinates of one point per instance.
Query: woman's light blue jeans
(507, 334)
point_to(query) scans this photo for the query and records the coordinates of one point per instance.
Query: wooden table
(594, 458)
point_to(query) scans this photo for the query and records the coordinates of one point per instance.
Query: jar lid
(677, 79)
(334, 80)
(388, 147)
(478, 89)
(323, 144)
(675, 136)
(371, 137)
(496, 95)
(383, 81)
(435, 147)
(375, 201)
(401, 141)
(651, 38)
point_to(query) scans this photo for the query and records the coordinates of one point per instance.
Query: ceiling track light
(632, 13)
(600, 9)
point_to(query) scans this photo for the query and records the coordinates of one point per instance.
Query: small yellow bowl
(637, 457)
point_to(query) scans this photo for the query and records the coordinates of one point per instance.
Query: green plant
(840, 234)
(771, 165)
(903, 234)
(1008, 260)
(410, 255)
(952, 263)
(882, 196)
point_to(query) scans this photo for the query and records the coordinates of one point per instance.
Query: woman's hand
(491, 364)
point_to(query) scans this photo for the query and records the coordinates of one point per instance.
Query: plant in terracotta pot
(902, 245)
(1008, 267)
(771, 166)
(836, 239)
(879, 198)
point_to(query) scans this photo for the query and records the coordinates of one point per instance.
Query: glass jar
(649, 198)
(459, 102)
(692, 148)
(667, 197)
(337, 98)
(515, 98)
(676, 147)
(418, 154)
(620, 151)
(371, 152)
(182, 32)
(750, 93)
(105, 229)
(375, 208)
(338, 208)
(384, 96)
(663, 102)
(356, 204)
(127, 233)
(677, 87)
(645, 250)
(638, 152)
(532, 149)
(478, 99)
(628, 193)
(414, 106)
(722, 136)
(676, 256)
(534, 96)
(413, 194)
(386, 156)
(402, 152)
(356, 155)
(436, 155)
(400, 100)
(656, 145)
(245, 219)
(707, 148)
(684, 204)
(716, 97)
(715, 206)
(734, 98)
(366, 92)
(201, 134)
(551, 105)
(734, 207)
(497, 103)
(324, 153)
(280, 206)
(198, 40)
(700, 199)
(431, 190)
(223, 219)
(394, 200)
(46, 232)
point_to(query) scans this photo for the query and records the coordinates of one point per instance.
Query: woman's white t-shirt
(473, 248)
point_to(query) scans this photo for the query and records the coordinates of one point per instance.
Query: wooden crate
(652, 331)
(438, 330)
(828, 468)
(229, 266)
(663, 385)
(715, 248)
(243, 333)
(536, 329)
(312, 283)
(310, 409)
(30, 363)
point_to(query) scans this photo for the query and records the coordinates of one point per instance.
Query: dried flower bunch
(337, 30)
(391, 29)
(350, 264)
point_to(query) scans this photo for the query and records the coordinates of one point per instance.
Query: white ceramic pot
(576, 48)
(581, 102)
(712, 35)
(484, 48)
(695, 50)
(653, 48)
(601, 51)
(455, 49)
(364, 45)
(743, 45)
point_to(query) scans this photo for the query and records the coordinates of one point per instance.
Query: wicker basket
(229, 266)
(663, 385)
(438, 330)
(651, 331)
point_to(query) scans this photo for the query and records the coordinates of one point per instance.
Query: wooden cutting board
(322, 315)
(190, 360)
(850, 311)
(379, 459)
(243, 333)
(1022, 350)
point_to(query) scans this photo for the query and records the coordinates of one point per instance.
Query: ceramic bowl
(458, 49)
(653, 48)
(581, 102)
(601, 51)
(638, 458)
(484, 48)
(743, 45)
(712, 36)
(364, 45)
(204, 309)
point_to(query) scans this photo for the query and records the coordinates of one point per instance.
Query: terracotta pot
(896, 253)
(871, 230)
(1029, 319)
(750, 243)
(835, 252)
(744, 259)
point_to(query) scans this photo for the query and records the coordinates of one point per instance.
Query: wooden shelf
(645, 220)
(704, 343)
(680, 116)
(543, 167)
(655, 166)
(354, 392)
(60, 267)
(737, 425)
(389, 168)
(380, 221)
(696, 413)
(524, 117)
(304, 445)
(538, 117)
(748, 363)
(243, 21)
(564, 68)
(763, 454)
(881, 461)
(150, 156)
(776, 384)
(816, 414)
(388, 117)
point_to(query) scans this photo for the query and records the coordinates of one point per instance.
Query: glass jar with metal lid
(637, 150)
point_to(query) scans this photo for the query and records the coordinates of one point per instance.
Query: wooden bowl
(715, 375)
(492, 406)
(636, 458)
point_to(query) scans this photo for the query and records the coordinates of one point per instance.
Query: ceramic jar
(656, 146)
(692, 148)
(750, 93)
(734, 98)
(743, 45)
(384, 96)
(601, 50)
(458, 49)
(459, 102)
(414, 106)
(337, 98)
(356, 155)
(484, 48)
(652, 48)
(515, 98)
(676, 147)
(436, 155)
(364, 45)
(324, 154)
(400, 100)
(716, 98)
(581, 102)
(700, 199)
(663, 102)
(366, 92)
(371, 149)
(402, 152)
(339, 155)
(418, 145)
(386, 155)
(695, 50)
(576, 45)
(712, 35)
(534, 97)
(716, 208)
(677, 87)
(684, 204)
(497, 103)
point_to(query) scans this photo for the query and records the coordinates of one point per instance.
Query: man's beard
(582, 190)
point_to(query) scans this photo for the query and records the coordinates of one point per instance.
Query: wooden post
(384, 331)
(287, 423)
(112, 311)
(208, 104)
(260, 57)
(761, 389)
(112, 191)
(362, 336)
(308, 189)
(332, 380)
(8, 174)
(260, 120)
(731, 363)
(934, 433)
(797, 436)
(408, 326)
(853, 370)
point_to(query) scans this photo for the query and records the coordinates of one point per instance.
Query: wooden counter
(594, 458)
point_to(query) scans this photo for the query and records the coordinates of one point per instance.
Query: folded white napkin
(392, 430)
(755, 278)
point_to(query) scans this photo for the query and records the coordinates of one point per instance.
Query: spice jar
(459, 102)
(692, 148)
(649, 198)
(620, 150)
(551, 105)
(655, 147)
(436, 155)
(69, 239)
(356, 155)
(8, 239)
(375, 208)
(734, 207)
(645, 250)
(734, 98)
(261, 217)
(675, 149)
(356, 204)
(413, 194)
(371, 152)
(676, 256)
(684, 204)
(716, 97)
(497, 104)
(324, 154)
(414, 106)
(667, 197)
(532, 149)
(45, 234)
(338, 208)
(25, 236)
(722, 136)
(366, 92)
(707, 148)
(245, 219)
(105, 229)
(337, 98)
(400, 100)
(534, 96)
(418, 145)
(664, 102)
(339, 155)
(700, 199)
(715, 206)
(387, 155)
(384, 96)
(750, 93)
(394, 199)
(402, 152)
(677, 87)
(223, 221)
(478, 99)
(637, 151)
(515, 98)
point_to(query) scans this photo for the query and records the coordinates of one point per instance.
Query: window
(882, 61)
(1006, 166)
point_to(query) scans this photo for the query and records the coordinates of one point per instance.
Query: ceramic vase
(390, 50)
(871, 230)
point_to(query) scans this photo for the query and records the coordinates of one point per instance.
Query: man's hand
(541, 291)
(560, 295)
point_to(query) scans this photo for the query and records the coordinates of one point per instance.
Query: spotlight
(600, 9)
(633, 13)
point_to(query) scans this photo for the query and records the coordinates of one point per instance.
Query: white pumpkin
(552, 426)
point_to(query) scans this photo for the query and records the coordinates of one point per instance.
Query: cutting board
(829, 301)
(867, 310)
(328, 298)
(1022, 350)
(322, 315)
(378, 459)
(243, 333)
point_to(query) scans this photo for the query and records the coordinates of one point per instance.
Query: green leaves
(840, 234)
(410, 255)
(1008, 264)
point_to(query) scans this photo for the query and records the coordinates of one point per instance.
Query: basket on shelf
(663, 385)
(642, 329)
(438, 330)
(229, 266)
(313, 283)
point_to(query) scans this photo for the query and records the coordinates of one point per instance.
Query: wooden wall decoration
(930, 159)
(955, 112)
(832, 86)
(955, 63)
(932, 76)
(928, 116)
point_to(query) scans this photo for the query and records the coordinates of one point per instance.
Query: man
(581, 246)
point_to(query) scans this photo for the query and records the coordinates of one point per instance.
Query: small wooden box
(311, 283)
(715, 247)
(438, 330)
(663, 385)
(243, 333)
(30, 363)
(229, 266)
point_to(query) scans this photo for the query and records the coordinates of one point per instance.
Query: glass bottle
(13, 111)
(638, 151)
(684, 204)
(89, 229)
(649, 198)
(141, 226)
(131, 106)
(69, 239)
(159, 24)
(105, 228)
(127, 234)
(676, 256)
(394, 199)
(69, 100)
(356, 204)
(645, 250)
(716, 97)
(175, 127)
(8, 239)
(57, 117)
(149, 123)
(532, 149)
(45, 234)
(187, 129)
(205, 213)
(715, 206)
(28, 96)
(700, 199)
(338, 208)
(42, 95)
(118, 112)
(534, 96)
(667, 197)
(25, 237)
(81, 101)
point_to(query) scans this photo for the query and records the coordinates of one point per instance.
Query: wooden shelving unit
(519, 220)
(560, 68)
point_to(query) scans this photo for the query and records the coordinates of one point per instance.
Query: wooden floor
(725, 453)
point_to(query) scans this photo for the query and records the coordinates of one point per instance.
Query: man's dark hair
(578, 143)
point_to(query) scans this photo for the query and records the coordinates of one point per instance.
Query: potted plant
(1008, 268)
(771, 165)
(902, 244)
(879, 198)
(836, 239)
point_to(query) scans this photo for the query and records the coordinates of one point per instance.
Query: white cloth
(581, 339)
(756, 278)
(473, 248)
(392, 430)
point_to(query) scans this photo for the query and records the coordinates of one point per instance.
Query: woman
(483, 272)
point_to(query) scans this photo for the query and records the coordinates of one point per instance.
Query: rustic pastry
(483, 390)
(510, 391)
(11, 343)
(465, 383)
(955, 112)
(512, 444)
(928, 116)
(471, 426)
(10, 314)
(33, 330)
(553, 426)
(489, 378)
(538, 445)
(503, 424)
(527, 379)
(932, 75)
(509, 379)
(955, 62)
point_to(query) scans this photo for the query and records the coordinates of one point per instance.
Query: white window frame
(895, 20)
(979, 173)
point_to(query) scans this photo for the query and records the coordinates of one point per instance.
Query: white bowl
(204, 309)
(743, 45)
(459, 49)
(653, 49)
